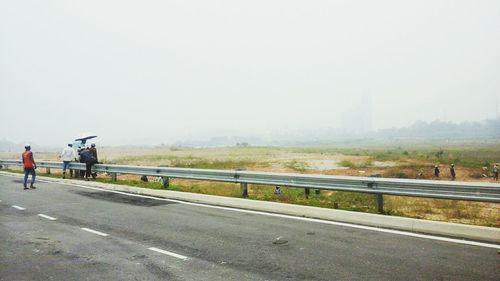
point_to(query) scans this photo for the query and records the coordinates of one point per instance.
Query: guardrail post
(165, 181)
(244, 189)
(113, 176)
(379, 201)
(307, 191)
(317, 191)
(47, 170)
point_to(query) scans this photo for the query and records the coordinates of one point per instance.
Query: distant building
(358, 119)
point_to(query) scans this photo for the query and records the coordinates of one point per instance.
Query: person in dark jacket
(89, 160)
(452, 172)
(93, 150)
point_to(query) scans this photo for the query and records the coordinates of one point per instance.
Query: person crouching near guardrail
(29, 166)
(67, 155)
(89, 160)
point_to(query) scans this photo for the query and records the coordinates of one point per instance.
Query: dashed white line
(47, 217)
(169, 253)
(18, 207)
(94, 231)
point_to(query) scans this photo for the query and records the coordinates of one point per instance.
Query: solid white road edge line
(168, 253)
(94, 231)
(18, 207)
(47, 217)
(371, 228)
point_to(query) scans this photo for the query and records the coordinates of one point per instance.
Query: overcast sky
(159, 71)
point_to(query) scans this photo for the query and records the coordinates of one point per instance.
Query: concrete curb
(480, 233)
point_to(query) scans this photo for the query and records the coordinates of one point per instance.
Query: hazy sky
(158, 71)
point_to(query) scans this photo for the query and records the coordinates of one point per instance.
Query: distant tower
(358, 118)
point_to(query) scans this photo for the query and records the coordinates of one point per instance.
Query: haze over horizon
(162, 71)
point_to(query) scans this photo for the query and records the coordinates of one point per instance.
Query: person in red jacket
(29, 166)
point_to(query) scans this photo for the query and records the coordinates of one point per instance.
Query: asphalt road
(65, 232)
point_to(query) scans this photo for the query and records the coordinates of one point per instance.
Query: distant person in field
(452, 172)
(93, 150)
(29, 166)
(495, 172)
(436, 171)
(67, 155)
(89, 160)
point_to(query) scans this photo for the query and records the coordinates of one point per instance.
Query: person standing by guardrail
(67, 155)
(93, 150)
(452, 172)
(89, 160)
(29, 166)
(495, 172)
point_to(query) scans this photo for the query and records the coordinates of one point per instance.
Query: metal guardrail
(469, 191)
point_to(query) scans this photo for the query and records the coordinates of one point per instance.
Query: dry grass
(477, 213)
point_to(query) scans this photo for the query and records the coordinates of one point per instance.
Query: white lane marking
(18, 207)
(371, 228)
(95, 231)
(168, 253)
(47, 217)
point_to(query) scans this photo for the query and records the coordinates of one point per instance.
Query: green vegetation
(191, 162)
(355, 165)
(295, 165)
(466, 154)
(462, 156)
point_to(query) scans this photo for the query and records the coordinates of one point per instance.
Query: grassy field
(401, 161)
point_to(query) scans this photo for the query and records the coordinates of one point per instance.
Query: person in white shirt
(67, 155)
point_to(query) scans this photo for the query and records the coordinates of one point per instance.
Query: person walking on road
(89, 160)
(452, 172)
(29, 166)
(436, 171)
(495, 172)
(67, 155)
